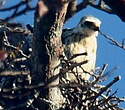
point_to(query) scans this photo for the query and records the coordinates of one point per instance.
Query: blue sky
(107, 53)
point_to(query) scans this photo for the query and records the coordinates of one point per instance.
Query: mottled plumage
(82, 39)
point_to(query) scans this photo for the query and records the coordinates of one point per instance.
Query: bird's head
(89, 25)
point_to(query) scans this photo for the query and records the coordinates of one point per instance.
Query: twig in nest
(6, 43)
(108, 86)
(110, 72)
(28, 87)
(97, 79)
(76, 55)
(73, 66)
(13, 73)
(24, 103)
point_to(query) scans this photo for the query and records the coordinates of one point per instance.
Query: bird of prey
(79, 40)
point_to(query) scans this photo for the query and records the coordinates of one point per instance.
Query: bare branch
(86, 3)
(82, 5)
(16, 8)
(113, 42)
(16, 14)
(107, 10)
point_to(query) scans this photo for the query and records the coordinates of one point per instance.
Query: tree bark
(47, 48)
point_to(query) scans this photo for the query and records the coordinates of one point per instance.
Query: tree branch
(114, 42)
(82, 5)
(16, 9)
(47, 46)
(107, 10)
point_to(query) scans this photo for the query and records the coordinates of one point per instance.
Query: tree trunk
(47, 48)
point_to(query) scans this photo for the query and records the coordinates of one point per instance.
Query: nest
(17, 91)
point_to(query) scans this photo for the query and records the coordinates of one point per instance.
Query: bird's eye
(88, 23)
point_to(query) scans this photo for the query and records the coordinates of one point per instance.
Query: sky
(107, 53)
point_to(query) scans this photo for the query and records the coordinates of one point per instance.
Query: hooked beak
(96, 28)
